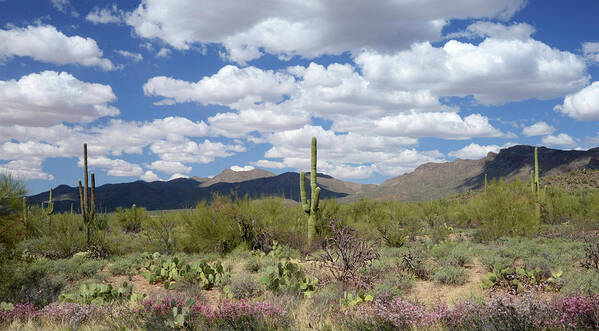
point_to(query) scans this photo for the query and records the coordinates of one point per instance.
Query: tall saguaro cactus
(48, 211)
(88, 208)
(535, 185)
(310, 206)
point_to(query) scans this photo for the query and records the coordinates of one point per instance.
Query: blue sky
(161, 89)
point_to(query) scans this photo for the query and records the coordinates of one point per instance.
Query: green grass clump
(450, 275)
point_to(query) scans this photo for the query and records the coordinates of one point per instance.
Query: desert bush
(580, 281)
(591, 252)
(131, 219)
(244, 286)
(506, 209)
(253, 264)
(161, 232)
(127, 265)
(12, 227)
(346, 257)
(450, 275)
(413, 262)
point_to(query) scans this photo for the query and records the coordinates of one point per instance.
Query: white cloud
(538, 129)
(269, 164)
(149, 176)
(106, 15)
(136, 57)
(25, 169)
(45, 43)
(181, 149)
(521, 31)
(475, 151)
(306, 28)
(114, 167)
(50, 97)
(228, 86)
(344, 155)
(61, 5)
(582, 105)
(445, 125)
(495, 71)
(175, 176)
(561, 140)
(169, 167)
(590, 50)
(163, 52)
(245, 168)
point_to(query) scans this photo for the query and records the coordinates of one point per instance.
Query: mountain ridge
(428, 181)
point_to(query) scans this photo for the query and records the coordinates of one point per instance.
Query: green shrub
(450, 275)
(244, 286)
(127, 265)
(580, 281)
(161, 232)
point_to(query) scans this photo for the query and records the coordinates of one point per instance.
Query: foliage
(346, 257)
(413, 262)
(591, 251)
(450, 275)
(98, 294)
(132, 219)
(171, 270)
(288, 275)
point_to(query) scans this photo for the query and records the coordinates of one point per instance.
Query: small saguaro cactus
(88, 208)
(485, 182)
(48, 211)
(25, 212)
(310, 206)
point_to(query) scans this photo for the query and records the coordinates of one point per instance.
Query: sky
(161, 89)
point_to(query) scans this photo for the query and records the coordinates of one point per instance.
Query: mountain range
(428, 181)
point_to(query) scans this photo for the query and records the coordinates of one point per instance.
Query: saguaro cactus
(25, 213)
(88, 208)
(48, 211)
(310, 206)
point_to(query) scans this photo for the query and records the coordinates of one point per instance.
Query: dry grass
(430, 293)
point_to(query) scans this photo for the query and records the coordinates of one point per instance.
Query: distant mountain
(230, 176)
(435, 180)
(186, 192)
(428, 181)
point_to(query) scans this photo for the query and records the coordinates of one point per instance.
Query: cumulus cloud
(308, 29)
(582, 105)
(494, 72)
(169, 167)
(149, 176)
(561, 140)
(181, 149)
(34, 144)
(106, 15)
(521, 31)
(61, 5)
(446, 125)
(344, 155)
(540, 128)
(163, 52)
(45, 43)
(113, 167)
(25, 169)
(136, 57)
(175, 176)
(50, 97)
(245, 168)
(475, 151)
(590, 50)
(228, 86)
